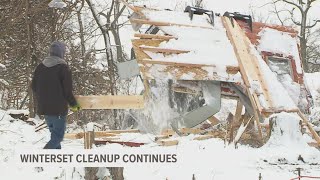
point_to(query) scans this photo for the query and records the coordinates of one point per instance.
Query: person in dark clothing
(52, 88)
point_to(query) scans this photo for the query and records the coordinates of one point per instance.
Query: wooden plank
(236, 119)
(170, 132)
(314, 144)
(313, 132)
(240, 133)
(152, 71)
(184, 90)
(244, 58)
(111, 102)
(136, 43)
(109, 138)
(146, 42)
(81, 135)
(123, 131)
(168, 142)
(163, 50)
(161, 137)
(125, 143)
(98, 134)
(233, 41)
(168, 63)
(257, 102)
(203, 137)
(248, 63)
(279, 110)
(233, 69)
(159, 23)
(213, 120)
(154, 36)
(88, 139)
(133, 8)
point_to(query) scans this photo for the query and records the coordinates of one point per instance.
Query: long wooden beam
(99, 134)
(159, 23)
(246, 68)
(168, 63)
(133, 8)
(163, 50)
(154, 36)
(313, 132)
(81, 135)
(170, 132)
(111, 102)
(168, 142)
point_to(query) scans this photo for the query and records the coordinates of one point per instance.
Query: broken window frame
(277, 58)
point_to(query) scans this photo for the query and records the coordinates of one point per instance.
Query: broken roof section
(188, 49)
(194, 43)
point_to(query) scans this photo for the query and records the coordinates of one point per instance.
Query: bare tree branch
(294, 4)
(313, 25)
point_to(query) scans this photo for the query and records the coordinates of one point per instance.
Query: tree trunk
(303, 41)
(82, 41)
(107, 44)
(115, 31)
(29, 59)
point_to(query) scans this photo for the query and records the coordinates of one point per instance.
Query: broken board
(111, 102)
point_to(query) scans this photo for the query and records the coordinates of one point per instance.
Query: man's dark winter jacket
(52, 83)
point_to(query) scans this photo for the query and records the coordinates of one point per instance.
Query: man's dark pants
(57, 126)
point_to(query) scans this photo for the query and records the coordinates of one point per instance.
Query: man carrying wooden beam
(52, 87)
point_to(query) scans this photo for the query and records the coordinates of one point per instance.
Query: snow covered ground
(207, 160)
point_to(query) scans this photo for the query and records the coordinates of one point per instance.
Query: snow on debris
(57, 4)
(280, 42)
(313, 83)
(176, 17)
(208, 46)
(286, 136)
(278, 94)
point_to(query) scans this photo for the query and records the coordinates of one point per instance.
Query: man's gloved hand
(75, 108)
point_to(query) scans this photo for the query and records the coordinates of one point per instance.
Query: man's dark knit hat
(58, 49)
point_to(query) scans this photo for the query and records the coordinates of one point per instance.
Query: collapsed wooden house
(198, 46)
(220, 56)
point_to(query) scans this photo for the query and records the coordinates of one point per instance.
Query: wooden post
(90, 172)
(88, 139)
(236, 118)
(193, 177)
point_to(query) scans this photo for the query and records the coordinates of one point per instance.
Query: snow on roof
(278, 94)
(280, 42)
(176, 17)
(208, 46)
